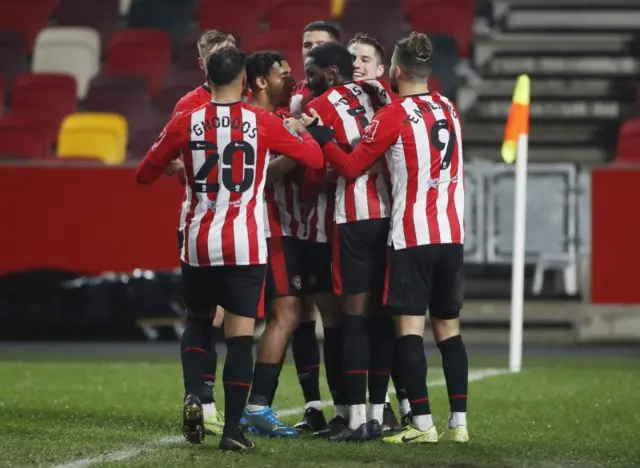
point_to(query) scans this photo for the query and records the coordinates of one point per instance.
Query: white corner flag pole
(517, 272)
(515, 147)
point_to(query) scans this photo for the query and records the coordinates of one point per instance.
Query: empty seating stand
(72, 50)
(20, 139)
(101, 136)
(103, 16)
(13, 57)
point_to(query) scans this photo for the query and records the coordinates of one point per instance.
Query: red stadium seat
(28, 17)
(44, 99)
(175, 87)
(13, 56)
(446, 17)
(288, 43)
(295, 14)
(243, 21)
(103, 15)
(21, 139)
(629, 143)
(2, 91)
(140, 52)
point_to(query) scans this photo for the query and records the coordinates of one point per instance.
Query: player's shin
(356, 364)
(381, 357)
(306, 354)
(195, 345)
(238, 370)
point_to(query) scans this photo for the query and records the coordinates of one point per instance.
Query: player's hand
(295, 125)
(218, 318)
(313, 119)
(332, 175)
(174, 168)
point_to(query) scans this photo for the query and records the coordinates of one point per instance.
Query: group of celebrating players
(340, 196)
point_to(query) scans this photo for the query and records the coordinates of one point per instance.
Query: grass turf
(578, 412)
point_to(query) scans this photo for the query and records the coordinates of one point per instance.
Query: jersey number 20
(235, 147)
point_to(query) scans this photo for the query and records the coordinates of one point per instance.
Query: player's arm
(164, 150)
(279, 168)
(301, 147)
(379, 135)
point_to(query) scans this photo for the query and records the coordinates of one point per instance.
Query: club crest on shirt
(296, 282)
(370, 131)
(292, 131)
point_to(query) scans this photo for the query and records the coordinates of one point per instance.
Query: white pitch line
(126, 454)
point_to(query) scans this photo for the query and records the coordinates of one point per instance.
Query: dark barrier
(57, 305)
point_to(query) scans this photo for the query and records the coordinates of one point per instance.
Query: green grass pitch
(92, 411)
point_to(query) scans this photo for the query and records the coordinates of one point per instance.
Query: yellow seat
(94, 135)
(337, 7)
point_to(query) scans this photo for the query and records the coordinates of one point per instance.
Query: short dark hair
(413, 55)
(259, 65)
(364, 38)
(325, 26)
(210, 38)
(333, 54)
(225, 64)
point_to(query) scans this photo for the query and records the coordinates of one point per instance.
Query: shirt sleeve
(164, 150)
(300, 147)
(379, 135)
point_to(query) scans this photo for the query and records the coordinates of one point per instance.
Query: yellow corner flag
(518, 120)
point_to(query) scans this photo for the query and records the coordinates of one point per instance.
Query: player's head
(211, 40)
(269, 73)
(327, 65)
(368, 57)
(226, 69)
(411, 61)
(316, 33)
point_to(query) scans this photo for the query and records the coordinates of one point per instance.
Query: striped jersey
(226, 150)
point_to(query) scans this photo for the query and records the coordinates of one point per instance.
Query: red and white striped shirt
(226, 150)
(421, 139)
(348, 109)
(284, 213)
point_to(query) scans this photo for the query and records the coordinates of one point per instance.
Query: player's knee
(409, 325)
(200, 313)
(286, 313)
(444, 329)
(238, 325)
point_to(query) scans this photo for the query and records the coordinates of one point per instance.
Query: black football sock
(265, 377)
(356, 358)
(456, 372)
(275, 387)
(381, 358)
(412, 367)
(333, 364)
(236, 379)
(306, 355)
(194, 353)
(210, 368)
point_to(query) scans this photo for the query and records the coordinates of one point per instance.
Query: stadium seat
(337, 7)
(295, 14)
(172, 16)
(287, 41)
(94, 135)
(243, 21)
(124, 7)
(21, 139)
(13, 57)
(143, 137)
(55, 93)
(629, 143)
(140, 52)
(28, 17)
(103, 16)
(2, 91)
(72, 50)
(117, 94)
(366, 15)
(175, 87)
(446, 17)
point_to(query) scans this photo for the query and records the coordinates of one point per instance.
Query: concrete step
(578, 134)
(544, 154)
(574, 19)
(566, 66)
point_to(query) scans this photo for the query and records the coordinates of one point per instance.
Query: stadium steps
(584, 64)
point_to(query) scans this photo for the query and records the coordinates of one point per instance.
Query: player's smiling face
(365, 62)
(312, 39)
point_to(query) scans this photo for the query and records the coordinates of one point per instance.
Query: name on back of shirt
(223, 122)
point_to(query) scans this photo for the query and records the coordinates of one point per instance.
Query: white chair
(125, 5)
(71, 50)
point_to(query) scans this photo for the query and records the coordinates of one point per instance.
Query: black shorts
(427, 276)
(317, 261)
(285, 269)
(359, 256)
(238, 289)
